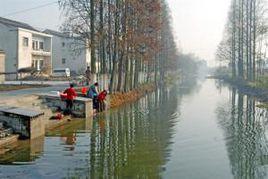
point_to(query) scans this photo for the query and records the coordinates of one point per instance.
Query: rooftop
(21, 111)
(17, 24)
(56, 33)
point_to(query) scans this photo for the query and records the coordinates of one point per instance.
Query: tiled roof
(13, 23)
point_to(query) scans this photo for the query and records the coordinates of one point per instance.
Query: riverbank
(248, 88)
(34, 102)
(119, 99)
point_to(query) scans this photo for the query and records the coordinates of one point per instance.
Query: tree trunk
(92, 36)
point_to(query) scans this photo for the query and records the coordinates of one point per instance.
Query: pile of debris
(5, 131)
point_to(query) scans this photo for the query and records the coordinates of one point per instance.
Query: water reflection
(244, 127)
(134, 141)
(23, 152)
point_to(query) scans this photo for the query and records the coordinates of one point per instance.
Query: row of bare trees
(244, 42)
(128, 40)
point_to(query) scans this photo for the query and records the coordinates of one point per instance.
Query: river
(203, 129)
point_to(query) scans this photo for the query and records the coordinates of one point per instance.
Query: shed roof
(21, 112)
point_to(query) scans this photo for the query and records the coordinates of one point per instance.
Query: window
(35, 45)
(41, 45)
(63, 61)
(63, 44)
(59, 71)
(41, 64)
(25, 41)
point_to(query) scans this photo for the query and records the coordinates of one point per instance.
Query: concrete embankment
(28, 103)
(36, 102)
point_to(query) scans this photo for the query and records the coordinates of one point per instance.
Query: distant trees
(244, 38)
(131, 41)
(189, 65)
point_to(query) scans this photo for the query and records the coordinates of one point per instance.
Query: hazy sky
(198, 24)
(42, 17)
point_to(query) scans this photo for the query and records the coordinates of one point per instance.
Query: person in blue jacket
(93, 94)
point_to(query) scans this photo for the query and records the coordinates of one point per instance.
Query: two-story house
(68, 52)
(24, 47)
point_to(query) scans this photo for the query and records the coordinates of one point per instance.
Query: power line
(30, 9)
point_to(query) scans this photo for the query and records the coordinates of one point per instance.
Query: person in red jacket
(71, 95)
(101, 98)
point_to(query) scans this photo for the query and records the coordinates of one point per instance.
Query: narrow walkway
(30, 91)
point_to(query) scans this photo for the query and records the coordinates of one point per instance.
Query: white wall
(8, 43)
(25, 53)
(2, 66)
(75, 61)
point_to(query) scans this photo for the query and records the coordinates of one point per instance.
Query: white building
(68, 52)
(2, 65)
(24, 47)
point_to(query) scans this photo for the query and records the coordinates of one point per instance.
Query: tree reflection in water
(245, 133)
(131, 141)
(134, 141)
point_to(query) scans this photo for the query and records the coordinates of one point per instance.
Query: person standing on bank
(93, 94)
(88, 75)
(71, 95)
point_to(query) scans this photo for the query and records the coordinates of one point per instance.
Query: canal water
(202, 129)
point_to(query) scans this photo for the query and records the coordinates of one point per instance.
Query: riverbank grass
(119, 99)
(261, 83)
(263, 105)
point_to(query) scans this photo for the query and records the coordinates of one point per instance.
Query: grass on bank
(261, 83)
(118, 99)
(263, 105)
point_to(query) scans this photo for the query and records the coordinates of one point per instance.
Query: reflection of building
(25, 151)
(68, 52)
(24, 46)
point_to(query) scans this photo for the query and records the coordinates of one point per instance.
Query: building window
(63, 61)
(63, 44)
(35, 45)
(41, 64)
(25, 41)
(41, 45)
